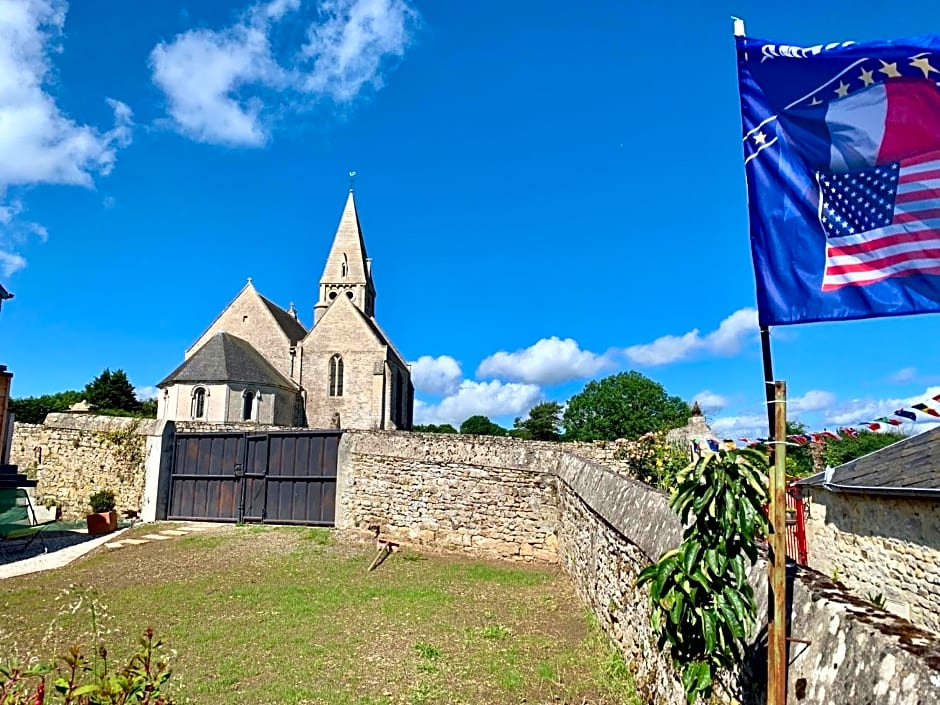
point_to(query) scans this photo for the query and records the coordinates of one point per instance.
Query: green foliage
(799, 458)
(848, 448)
(480, 425)
(34, 409)
(654, 461)
(102, 501)
(701, 602)
(432, 428)
(78, 681)
(542, 424)
(624, 405)
(112, 390)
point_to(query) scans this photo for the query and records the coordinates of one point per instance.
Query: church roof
(291, 326)
(225, 358)
(347, 261)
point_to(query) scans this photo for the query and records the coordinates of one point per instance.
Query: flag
(893, 422)
(904, 413)
(713, 445)
(849, 431)
(936, 398)
(923, 408)
(830, 434)
(874, 426)
(842, 157)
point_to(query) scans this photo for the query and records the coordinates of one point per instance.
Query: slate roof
(225, 358)
(910, 467)
(291, 327)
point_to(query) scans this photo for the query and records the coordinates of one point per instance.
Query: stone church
(257, 363)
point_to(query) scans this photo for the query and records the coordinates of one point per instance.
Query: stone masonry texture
(572, 504)
(880, 546)
(83, 454)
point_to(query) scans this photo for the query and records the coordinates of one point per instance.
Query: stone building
(874, 523)
(258, 363)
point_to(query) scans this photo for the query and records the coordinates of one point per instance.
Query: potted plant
(103, 519)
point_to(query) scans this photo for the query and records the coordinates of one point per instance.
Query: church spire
(348, 269)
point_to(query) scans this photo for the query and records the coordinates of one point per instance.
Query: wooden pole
(777, 614)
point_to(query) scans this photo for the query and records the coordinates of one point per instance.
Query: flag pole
(775, 394)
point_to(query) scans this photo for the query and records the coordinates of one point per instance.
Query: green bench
(18, 521)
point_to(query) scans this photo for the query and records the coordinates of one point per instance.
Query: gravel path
(63, 548)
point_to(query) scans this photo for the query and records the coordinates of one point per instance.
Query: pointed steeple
(348, 270)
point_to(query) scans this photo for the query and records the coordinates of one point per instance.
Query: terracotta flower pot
(102, 522)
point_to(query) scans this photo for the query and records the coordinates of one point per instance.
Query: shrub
(102, 501)
(76, 681)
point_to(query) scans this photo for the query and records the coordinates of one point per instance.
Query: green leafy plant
(102, 501)
(76, 681)
(877, 599)
(653, 460)
(701, 602)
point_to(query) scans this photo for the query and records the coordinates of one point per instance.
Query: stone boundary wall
(887, 546)
(82, 454)
(608, 527)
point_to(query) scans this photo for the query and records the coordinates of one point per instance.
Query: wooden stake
(777, 617)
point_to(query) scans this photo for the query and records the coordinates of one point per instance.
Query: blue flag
(842, 155)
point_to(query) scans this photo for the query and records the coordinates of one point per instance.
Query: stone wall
(516, 499)
(73, 456)
(469, 493)
(880, 546)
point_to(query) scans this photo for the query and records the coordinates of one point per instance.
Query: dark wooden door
(279, 478)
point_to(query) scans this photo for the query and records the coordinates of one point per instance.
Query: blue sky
(551, 193)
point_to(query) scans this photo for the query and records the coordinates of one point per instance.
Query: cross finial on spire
(352, 176)
(249, 280)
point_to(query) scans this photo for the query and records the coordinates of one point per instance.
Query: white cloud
(144, 393)
(490, 399)
(39, 144)
(732, 333)
(905, 374)
(222, 86)
(11, 262)
(549, 361)
(747, 426)
(710, 402)
(436, 375)
(813, 400)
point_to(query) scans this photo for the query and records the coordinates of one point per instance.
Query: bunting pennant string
(883, 422)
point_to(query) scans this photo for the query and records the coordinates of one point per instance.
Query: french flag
(883, 123)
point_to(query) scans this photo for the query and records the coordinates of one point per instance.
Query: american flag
(881, 222)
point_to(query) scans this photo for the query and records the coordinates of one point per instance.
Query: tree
(433, 428)
(543, 423)
(624, 405)
(480, 425)
(112, 391)
(848, 448)
(34, 409)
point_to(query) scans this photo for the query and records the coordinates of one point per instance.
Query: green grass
(292, 616)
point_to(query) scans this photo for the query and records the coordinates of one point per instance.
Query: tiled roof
(290, 325)
(908, 467)
(225, 358)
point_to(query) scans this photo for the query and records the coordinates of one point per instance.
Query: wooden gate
(278, 477)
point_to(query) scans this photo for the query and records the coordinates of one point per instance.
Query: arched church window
(344, 267)
(248, 405)
(198, 408)
(336, 376)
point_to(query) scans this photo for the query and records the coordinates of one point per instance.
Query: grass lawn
(289, 615)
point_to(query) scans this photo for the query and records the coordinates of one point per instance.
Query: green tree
(848, 448)
(433, 428)
(112, 391)
(624, 405)
(34, 409)
(148, 408)
(799, 457)
(480, 425)
(542, 424)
